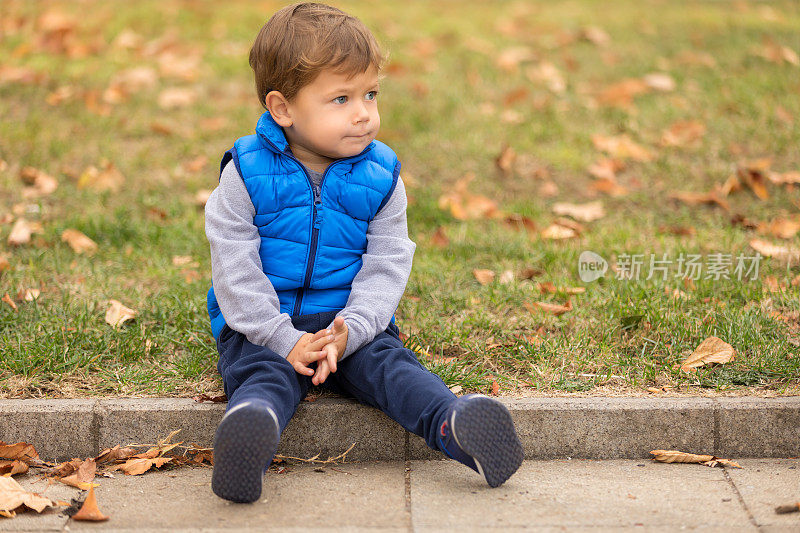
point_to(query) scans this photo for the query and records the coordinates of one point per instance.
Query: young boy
(310, 256)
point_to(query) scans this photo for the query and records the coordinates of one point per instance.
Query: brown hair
(301, 40)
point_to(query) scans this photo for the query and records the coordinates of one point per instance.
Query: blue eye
(374, 95)
(340, 99)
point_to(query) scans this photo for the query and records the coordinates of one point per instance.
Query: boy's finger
(300, 368)
(321, 374)
(318, 344)
(338, 324)
(311, 356)
(320, 334)
(332, 356)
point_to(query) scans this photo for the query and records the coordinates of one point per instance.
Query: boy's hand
(309, 349)
(333, 352)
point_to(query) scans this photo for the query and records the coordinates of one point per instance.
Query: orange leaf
(107, 179)
(13, 467)
(20, 233)
(622, 147)
(79, 242)
(439, 239)
(694, 198)
(7, 299)
(117, 314)
(711, 350)
(12, 495)
(21, 450)
(555, 309)
(89, 510)
(495, 388)
(484, 277)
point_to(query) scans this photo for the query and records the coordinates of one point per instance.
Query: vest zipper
(316, 217)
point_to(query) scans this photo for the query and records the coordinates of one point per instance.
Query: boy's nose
(361, 115)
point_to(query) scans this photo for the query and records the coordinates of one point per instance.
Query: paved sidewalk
(431, 495)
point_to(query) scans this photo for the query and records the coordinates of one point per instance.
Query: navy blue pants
(383, 374)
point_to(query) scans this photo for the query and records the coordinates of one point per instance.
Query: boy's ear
(278, 107)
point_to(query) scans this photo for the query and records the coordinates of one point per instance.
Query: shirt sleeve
(246, 297)
(380, 283)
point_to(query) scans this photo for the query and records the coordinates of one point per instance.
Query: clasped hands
(325, 347)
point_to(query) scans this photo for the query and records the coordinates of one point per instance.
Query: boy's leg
(263, 392)
(386, 375)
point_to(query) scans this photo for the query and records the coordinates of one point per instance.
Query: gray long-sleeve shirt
(248, 300)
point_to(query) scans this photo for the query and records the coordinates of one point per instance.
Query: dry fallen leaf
(713, 197)
(558, 232)
(622, 147)
(138, 466)
(505, 161)
(20, 233)
(556, 309)
(585, 212)
(785, 228)
(484, 277)
(683, 133)
(89, 510)
(517, 222)
(659, 81)
(117, 314)
(754, 175)
(775, 251)
(174, 97)
(7, 299)
(4, 263)
(12, 468)
(464, 205)
(711, 350)
(83, 475)
(12, 495)
(439, 238)
(114, 454)
(107, 178)
(79, 242)
(675, 456)
(40, 184)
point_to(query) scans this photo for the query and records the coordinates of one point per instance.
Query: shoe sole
(244, 444)
(483, 428)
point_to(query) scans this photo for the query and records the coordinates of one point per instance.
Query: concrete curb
(550, 428)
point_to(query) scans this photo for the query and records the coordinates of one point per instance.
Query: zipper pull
(317, 194)
(318, 219)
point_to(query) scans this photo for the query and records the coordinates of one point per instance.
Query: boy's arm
(379, 284)
(245, 295)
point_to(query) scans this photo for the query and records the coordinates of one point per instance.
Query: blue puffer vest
(312, 238)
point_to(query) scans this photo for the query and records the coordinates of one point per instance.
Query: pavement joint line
(94, 428)
(407, 481)
(741, 499)
(716, 412)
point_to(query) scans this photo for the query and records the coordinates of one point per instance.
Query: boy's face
(334, 117)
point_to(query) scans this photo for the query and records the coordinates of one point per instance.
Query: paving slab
(577, 493)
(764, 484)
(353, 495)
(145, 420)
(759, 427)
(58, 429)
(328, 427)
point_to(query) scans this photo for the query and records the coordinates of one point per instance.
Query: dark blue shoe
(479, 433)
(244, 444)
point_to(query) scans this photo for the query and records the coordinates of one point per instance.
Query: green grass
(621, 336)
